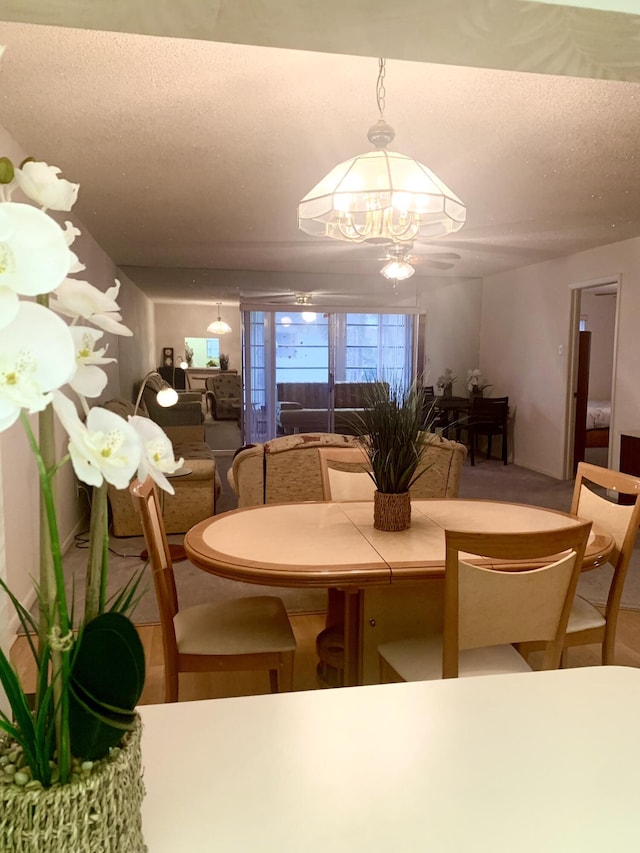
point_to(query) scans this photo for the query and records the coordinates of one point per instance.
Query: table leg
(352, 645)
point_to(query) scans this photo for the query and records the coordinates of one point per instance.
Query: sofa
(186, 412)
(195, 495)
(287, 468)
(303, 406)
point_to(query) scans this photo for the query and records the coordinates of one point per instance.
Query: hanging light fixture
(398, 267)
(219, 327)
(380, 195)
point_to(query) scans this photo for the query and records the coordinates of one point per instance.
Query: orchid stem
(96, 574)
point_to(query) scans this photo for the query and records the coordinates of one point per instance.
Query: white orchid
(34, 256)
(89, 380)
(40, 182)
(157, 457)
(475, 380)
(81, 299)
(105, 448)
(37, 356)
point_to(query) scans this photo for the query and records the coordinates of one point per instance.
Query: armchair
(224, 395)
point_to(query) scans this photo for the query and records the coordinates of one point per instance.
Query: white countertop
(529, 763)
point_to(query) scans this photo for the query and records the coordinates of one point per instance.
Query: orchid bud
(6, 170)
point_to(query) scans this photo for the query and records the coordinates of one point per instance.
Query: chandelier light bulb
(309, 316)
(286, 321)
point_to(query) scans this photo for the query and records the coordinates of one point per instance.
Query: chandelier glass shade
(397, 270)
(381, 196)
(219, 327)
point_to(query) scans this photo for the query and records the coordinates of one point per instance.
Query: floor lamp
(166, 397)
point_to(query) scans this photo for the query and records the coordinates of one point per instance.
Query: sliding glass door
(305, 371)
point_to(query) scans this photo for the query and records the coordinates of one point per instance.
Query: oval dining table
(334, 544)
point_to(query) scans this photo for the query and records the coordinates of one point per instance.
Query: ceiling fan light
(397, 270)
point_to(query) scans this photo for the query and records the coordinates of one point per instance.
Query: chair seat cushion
(584, 616)
(420, 659)
(241, 626)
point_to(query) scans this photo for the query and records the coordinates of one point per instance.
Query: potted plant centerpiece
(70, 775)
(224, 361)
(393, 428)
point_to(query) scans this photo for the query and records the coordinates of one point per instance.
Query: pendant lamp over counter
(219, 327)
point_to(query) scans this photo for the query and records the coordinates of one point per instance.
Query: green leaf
(107, 678)
(93, 731)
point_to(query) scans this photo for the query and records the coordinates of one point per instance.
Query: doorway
(592, 363)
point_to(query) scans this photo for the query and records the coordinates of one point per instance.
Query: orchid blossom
(40, 182)
(106, 448)
(34, 256)
(157, 457)
(89, 380)
(37, 356)
(81, 299)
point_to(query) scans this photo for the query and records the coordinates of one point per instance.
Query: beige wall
(452, 335)
(524, 322)
(174, 322)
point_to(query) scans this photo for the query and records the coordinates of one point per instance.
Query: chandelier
(380, 195)
(219, 327)
(398, 267)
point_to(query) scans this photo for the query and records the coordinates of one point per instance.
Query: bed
(598, 421)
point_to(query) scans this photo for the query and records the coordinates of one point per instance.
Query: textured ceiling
(192, 155)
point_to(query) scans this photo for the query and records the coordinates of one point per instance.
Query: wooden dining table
(331, 544)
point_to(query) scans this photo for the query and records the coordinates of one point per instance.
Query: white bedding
(598, 414)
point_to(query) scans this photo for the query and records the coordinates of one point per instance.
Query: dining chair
(251, 633)
(488, 416)
(586, 623)
(490, 606)
(344, 472)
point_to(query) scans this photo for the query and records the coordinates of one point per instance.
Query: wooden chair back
(344, 474)
(489, 410)
(619, 520)
(146, 500)
(493, 604)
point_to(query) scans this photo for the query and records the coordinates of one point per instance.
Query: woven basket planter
(391, 511)
(97, 814)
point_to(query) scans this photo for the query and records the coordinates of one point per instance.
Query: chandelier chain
(381, 92)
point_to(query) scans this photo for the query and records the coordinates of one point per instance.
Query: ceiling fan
(401, 260)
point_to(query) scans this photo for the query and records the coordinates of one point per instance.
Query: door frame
(576, 289)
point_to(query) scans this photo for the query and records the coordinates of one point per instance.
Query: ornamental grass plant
(392, 429)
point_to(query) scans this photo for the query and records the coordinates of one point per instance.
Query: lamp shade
(219, 327)
(397, 269)
(167, 397)
(381, 195)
